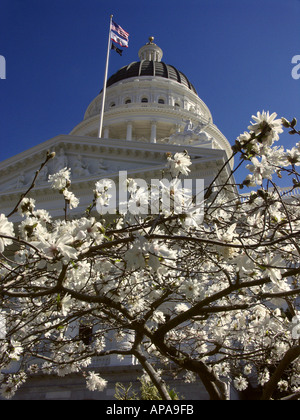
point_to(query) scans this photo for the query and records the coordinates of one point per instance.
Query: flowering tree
(210, 291)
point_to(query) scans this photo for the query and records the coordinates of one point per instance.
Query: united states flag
(117, 28)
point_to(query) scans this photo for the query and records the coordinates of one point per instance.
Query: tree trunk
(291, 355)
(155, 378)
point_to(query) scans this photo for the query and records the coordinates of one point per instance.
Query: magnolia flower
(61, 179)
(266, 123)
(159, 252)
(6, 229)
(103, 185)
(66, 304)
(293, 156)
(272, 271)
(240, 383)
(139, 202)
(193, 219)
(179, 164)
(27, 205)
(88, 228)
(159, 317)
(175, 197)
(94, 382)
(53, 247)
(263, 377)
(105, 191)
(283, 385)
(71, 199)
(244, 138)
(229, 235)
(42, 216)
(16, 350)
(261, 170)
(191, 288)
(134, 256)
(247, 370)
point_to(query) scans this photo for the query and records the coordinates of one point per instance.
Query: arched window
(112, 104)
(127, 101)
(161, 101)
(144, 100)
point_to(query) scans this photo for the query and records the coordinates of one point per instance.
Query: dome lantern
(150, 51)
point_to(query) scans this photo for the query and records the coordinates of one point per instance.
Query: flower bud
(294, 123)
(285, 122)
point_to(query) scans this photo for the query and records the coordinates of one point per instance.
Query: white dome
(151, 101)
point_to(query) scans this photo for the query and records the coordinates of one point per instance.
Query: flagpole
(105, 80)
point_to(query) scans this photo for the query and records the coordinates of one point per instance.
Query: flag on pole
(121, 37)
(117, 28)
(118, 50)
(121, 41)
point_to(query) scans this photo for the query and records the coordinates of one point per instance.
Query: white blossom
(293, 156)
(260, 170)
(273, 269)
(240, 383)
(66, 304)
(72, 200)
(54, 247)
(27, 205)
(95, 382)
(264, 377)
(264, 122)
(60, 180)
(179, 164)
(283, 385)
(6, 229)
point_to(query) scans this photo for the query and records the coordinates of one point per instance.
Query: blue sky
(237, 53)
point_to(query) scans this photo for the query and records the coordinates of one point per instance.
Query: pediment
(91, 159)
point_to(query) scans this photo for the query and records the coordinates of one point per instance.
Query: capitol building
(151, 109)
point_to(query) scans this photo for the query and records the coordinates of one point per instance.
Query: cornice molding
(104, 147)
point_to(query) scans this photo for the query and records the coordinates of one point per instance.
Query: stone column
(106, 132)
(129, 131)
(153, 132)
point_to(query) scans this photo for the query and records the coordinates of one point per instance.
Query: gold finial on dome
(151, 39)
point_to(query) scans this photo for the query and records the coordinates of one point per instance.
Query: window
(128, 101)
(112, 105)
(177, 105)
(144, 100)
(161, 101)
